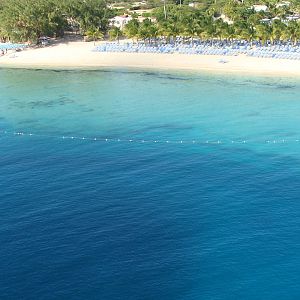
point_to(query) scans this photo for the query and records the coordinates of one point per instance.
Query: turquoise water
(118, 184)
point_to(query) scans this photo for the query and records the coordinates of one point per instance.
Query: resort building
(258, 7)
(193, 4)
(283, 4)
(295, 17)
(225, 19)
(120, 21)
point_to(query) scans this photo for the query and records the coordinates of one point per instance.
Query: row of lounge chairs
(10, 46)
(280, 51)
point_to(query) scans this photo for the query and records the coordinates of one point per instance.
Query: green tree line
(27, 20)
(206, 24)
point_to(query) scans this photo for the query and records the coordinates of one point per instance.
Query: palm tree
(95, 34)
(131, 29)
(263, 32)
(191, 27)
(278, 29)
(115, 33)
(293, 31)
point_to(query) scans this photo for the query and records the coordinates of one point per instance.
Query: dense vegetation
(244, 23)
(27, 20)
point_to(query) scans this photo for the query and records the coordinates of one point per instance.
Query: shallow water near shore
(122, 184)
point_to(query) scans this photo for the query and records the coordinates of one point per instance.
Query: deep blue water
(131, 218)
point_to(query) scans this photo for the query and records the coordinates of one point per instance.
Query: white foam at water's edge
(154, 141)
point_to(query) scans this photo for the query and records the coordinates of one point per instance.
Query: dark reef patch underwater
(130, 216)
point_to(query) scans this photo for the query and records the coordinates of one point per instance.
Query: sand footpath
(80, 55)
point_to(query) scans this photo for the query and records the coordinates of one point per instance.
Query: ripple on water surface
(130, 216)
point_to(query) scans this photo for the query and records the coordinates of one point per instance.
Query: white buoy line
(137, 140)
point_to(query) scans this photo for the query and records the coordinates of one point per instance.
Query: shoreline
(79, 55)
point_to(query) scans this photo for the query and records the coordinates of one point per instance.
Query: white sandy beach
(80, 55)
